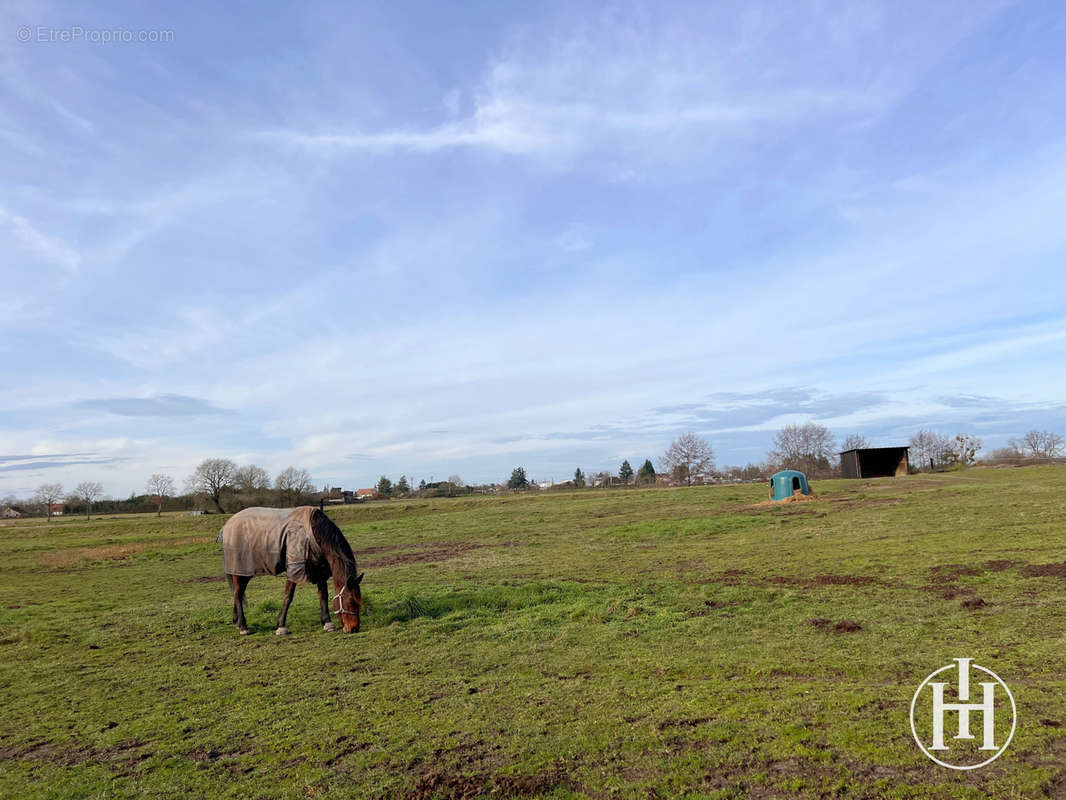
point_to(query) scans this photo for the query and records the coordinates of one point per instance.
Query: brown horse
(305, 546)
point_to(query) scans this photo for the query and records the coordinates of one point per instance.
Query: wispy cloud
(167, 405)
(49, 248)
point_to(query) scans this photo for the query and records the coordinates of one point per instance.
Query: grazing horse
(305, 546)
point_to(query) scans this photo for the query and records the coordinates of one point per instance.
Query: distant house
(367, 494)
(335, 495)
(12, 512)
(56, 509)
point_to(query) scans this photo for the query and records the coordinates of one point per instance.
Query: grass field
(646, 644)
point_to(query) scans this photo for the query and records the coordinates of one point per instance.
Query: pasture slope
(645, 644)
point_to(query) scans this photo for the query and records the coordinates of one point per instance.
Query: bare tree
(1042, 444)
(455, 480)
(47, 494)
(293, 483)
(854, 441)
(963, 449)
(807, 447)
(160, 487)
(929, 449)
(212, 477)
(251, 479)
(688, 455)
(87, 492)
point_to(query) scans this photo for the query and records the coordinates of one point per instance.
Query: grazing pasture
(633, 643)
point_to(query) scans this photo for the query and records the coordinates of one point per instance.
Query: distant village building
(12, 512)
(56, 509)
(367, 494)
(335, 495)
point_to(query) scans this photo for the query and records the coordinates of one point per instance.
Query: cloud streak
(167, 405)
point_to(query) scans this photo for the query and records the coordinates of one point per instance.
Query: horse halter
(340, 604)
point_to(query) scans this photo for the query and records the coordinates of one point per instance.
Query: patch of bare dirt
(438, 551)
(229, 760)
(477, 772)
(827, 626)
(733, 576)
(823, 580)
(442, 784)
(737, 577)
(707, 608)
(973, 603)
(385, 548)
(127, 752)
(947, 591)
(683, 723)
(1000, 564)
(1045, 570)
(796, 498)
(76, 556)
(949, 572)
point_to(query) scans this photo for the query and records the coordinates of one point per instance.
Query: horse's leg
(323, 605)
(233, 587)
(290, 590)
(240, 583)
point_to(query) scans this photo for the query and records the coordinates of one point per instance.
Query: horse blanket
(273, 541)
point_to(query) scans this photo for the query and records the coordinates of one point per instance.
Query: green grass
(596, 644)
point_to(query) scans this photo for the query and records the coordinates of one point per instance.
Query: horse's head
(351, 603)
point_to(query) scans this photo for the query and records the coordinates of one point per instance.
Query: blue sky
(433, 238)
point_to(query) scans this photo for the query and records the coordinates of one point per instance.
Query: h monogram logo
(986, 708)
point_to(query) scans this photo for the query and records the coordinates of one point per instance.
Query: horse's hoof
(329, 626)
(281, 632)
(244, 631)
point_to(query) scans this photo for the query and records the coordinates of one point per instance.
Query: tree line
(689, 459)
(810, 448)
(218, 481)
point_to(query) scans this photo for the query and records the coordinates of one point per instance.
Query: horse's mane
(332, 541)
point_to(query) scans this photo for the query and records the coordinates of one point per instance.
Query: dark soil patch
(949, 572)
(707, 607)
(827, 626)
(443, 784)
(384, 548)
(1045, 570)
(1000, 565)
(947, 591)
(124, 752)
(683, 723)
(973, 603)
(732, 577)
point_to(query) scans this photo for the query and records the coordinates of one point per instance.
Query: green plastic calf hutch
(787, 482)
